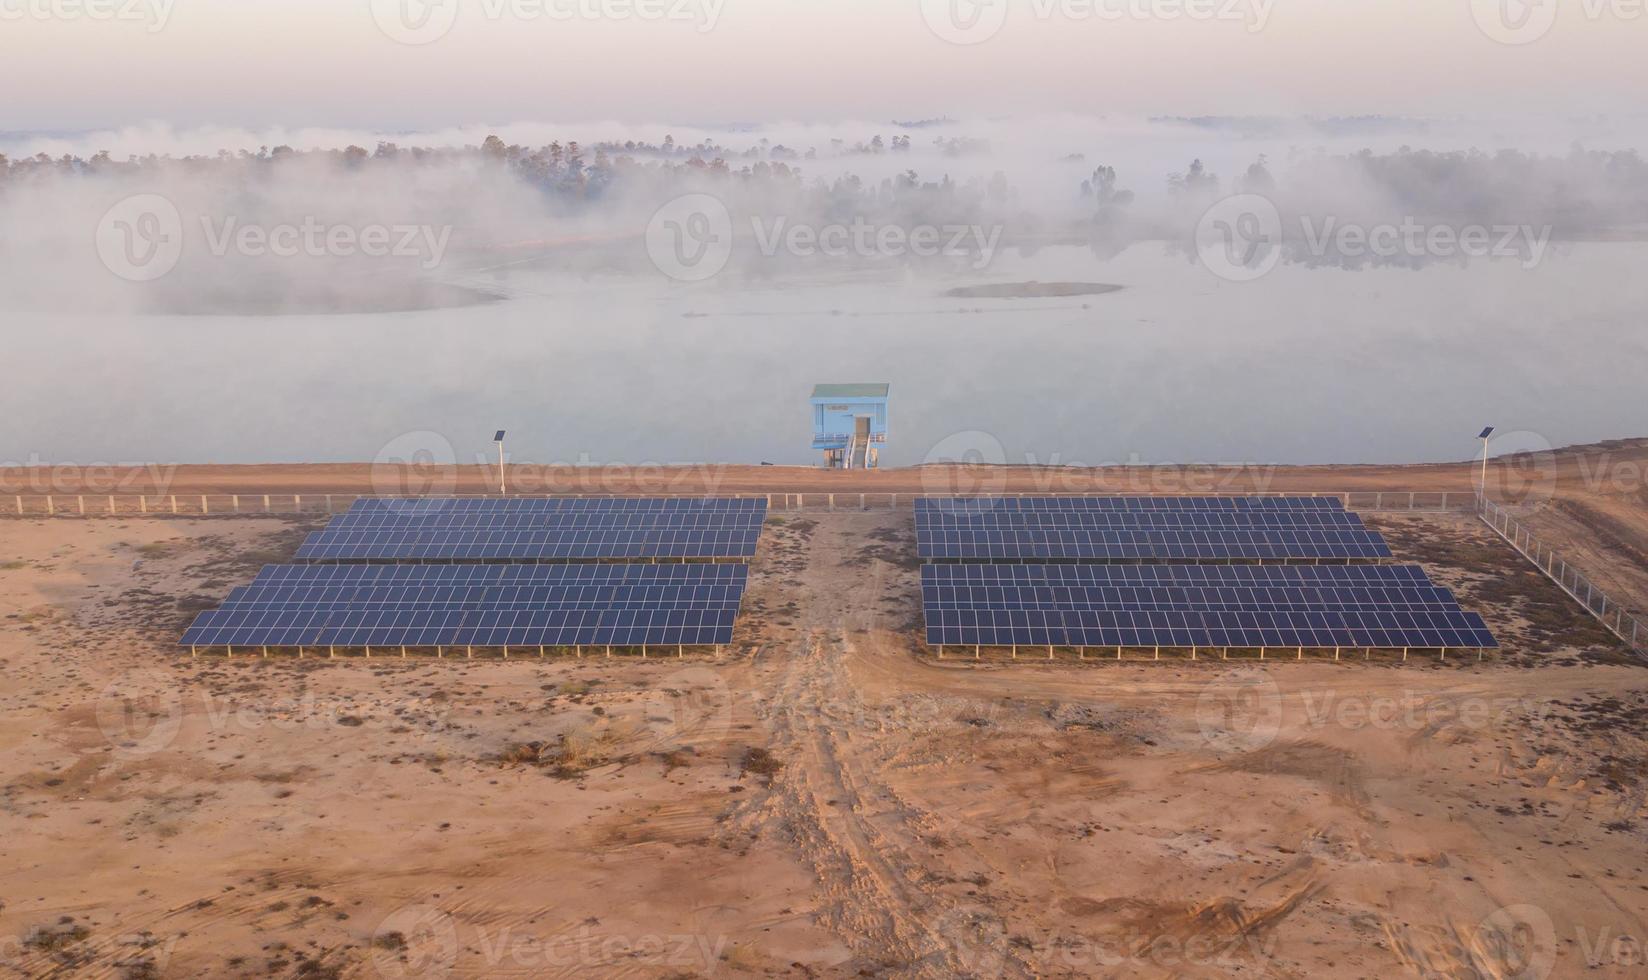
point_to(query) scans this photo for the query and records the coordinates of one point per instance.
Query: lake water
(1300, 366)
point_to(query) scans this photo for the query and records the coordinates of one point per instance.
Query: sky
(75, 65)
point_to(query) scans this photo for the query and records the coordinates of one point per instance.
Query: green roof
(851, 391)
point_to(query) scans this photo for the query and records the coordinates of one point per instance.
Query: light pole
(503, 485)
(1482, 494)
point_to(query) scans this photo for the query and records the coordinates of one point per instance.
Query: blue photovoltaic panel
(1181, 628)
(1031, 543)
(255, 627)
(539, 529)
(1143, 529)
(511, 511)
(493, 605)
(1141, 519)
(527, 545)
(502, 587)
(1123, 504)
(1194, 606)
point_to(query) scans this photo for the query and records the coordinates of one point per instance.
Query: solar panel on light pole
(502, 483)
(1486, 435)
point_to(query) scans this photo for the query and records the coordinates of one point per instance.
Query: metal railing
(1607, 610)
(228, 504)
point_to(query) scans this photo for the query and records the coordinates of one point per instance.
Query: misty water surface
(1301, 366)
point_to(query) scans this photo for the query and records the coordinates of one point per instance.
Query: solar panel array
(501, 573)
(1113, 529)
(1177, 572)
(534, 529)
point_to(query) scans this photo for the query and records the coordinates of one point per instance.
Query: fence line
(225, 504)
(1608, 611)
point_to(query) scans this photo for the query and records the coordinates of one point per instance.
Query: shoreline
(1614, 466)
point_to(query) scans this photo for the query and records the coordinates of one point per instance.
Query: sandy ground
(826, 800)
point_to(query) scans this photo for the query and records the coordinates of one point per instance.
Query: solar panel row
(1124, 504)
(1089, 600)
(619, 505)
(1027, 542)
(428, 575)
(321, 628)
(1195, 629)
(527, 545)
(539, 530)
(1233, 599)
(662, 587)
(494, 601)
(1141, 519)
(1393, 576)
(549, 519)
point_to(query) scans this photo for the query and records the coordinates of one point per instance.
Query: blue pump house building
(850, 424)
